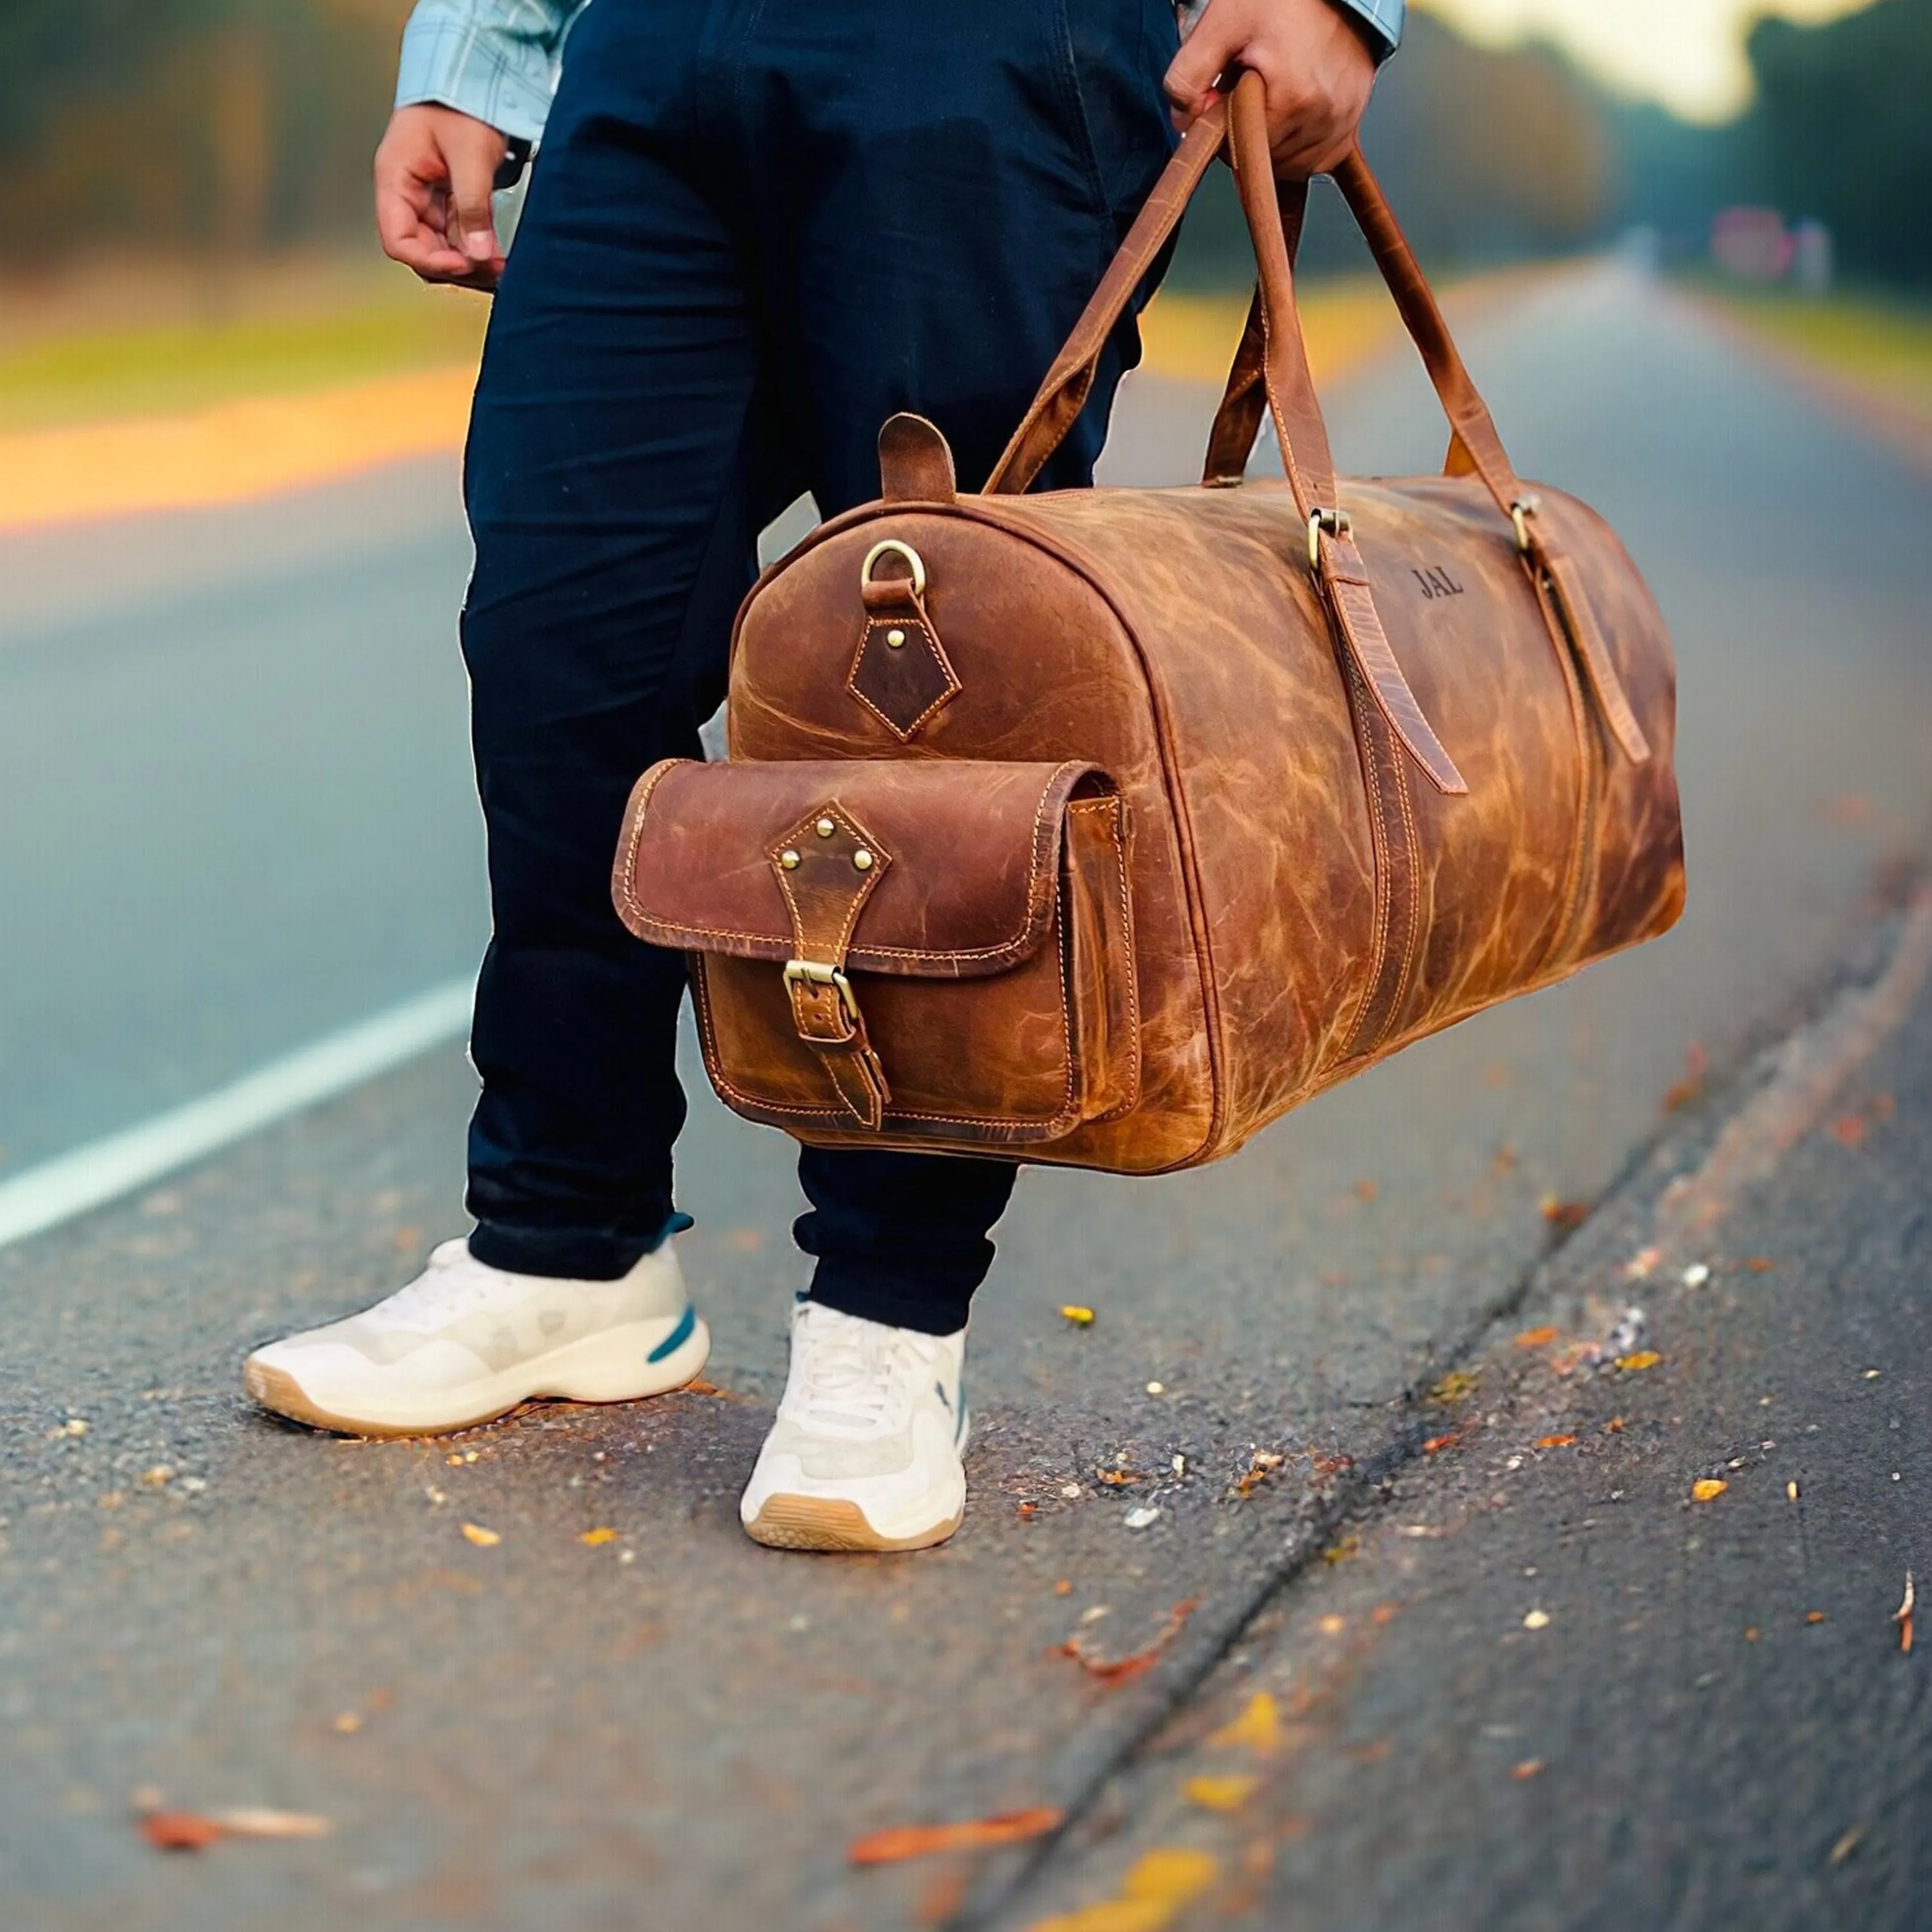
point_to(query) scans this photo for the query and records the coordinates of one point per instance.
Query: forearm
(494, 60)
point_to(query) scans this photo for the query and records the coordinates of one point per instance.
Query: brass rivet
(862, 860)
(896, 639)
(788, 859)
(826, 827)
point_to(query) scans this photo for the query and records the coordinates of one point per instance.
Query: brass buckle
(813, 974)
(1336, 523)
(1521, 511)
(892, 546)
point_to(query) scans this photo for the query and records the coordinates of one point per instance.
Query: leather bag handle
(1477, 448)
(1271, 367)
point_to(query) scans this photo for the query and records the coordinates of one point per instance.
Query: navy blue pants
(756, 229)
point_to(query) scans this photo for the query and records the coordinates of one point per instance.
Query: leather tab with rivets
(827, 865)
(901, 672)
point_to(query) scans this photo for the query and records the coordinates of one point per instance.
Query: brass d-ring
(893, 546)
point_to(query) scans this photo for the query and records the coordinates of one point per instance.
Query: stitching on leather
(868, 881)
(1583, 728)
(1016, 946)
(1116, 808)
(953, 686)
(627, 878)
(1009, 514)
(1414, 906)
(1371, 760)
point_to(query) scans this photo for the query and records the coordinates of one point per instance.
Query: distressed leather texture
(1181, 805)
(939, 952)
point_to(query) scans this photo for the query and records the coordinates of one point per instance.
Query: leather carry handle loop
(1271, 366)
(1064, 391)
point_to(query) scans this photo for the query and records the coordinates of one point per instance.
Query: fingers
(1206, 53)
(1317, 70)
(472, 229)
(433, 172)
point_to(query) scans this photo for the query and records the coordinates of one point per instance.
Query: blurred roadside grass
(178, 368)
(1880, 344)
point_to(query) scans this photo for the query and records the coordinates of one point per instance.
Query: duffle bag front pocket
(921, 953)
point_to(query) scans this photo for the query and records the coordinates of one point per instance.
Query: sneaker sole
(786, 1522)
(614, 1366)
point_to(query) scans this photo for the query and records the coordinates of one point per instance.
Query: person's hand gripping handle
(1317, 66)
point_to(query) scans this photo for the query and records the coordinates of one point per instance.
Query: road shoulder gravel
(1619, 1646)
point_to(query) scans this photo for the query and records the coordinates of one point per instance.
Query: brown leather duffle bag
(1102, 826)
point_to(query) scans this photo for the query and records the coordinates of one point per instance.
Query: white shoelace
(445, 1291)
(855, 1377)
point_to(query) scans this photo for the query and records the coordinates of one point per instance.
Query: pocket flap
(965, 856)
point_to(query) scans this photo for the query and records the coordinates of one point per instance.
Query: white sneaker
(465, 1343)
(864, 1453)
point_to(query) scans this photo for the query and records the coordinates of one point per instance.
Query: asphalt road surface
(238, 817)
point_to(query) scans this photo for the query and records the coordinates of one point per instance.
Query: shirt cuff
(1383, 20)
(502, 80)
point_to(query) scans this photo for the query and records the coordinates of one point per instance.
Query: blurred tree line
(226, 126)
(234, 126)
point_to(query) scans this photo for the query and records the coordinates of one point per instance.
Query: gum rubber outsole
(828, 1523)
(278, 1391)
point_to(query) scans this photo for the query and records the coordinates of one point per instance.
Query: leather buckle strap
(813, 974)
(827, 866)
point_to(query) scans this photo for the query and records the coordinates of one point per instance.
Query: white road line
(72, 1184)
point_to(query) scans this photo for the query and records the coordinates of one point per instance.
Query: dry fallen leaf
(1554, 1442)
(179, 1831)
(1257, 1728)
(1696, 1064)
(1814, 1616)
(1707, 1490)
(1849, 1130)
(1220, 1794)
(1537, 1338)
(1332, 1625)
(1563, 1215)
(1157, 1887)
(193, 1832)
(1902, 1616)
(1457, 1386)
(1436, 1444)
(918, 1841)
(1846, 1845)
(1536, 1620)
(1122, 1670)
(1644, 1358)
(1262, 1463)
(1346, 1551)
(1115, 1478)
(484, 1539)
(1529, 1768)
(1615, 1427)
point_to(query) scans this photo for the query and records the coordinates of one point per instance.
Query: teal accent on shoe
(678, 1336)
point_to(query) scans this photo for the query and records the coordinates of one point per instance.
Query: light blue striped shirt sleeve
(1385, 17)
(494, 59)
(497, 59)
